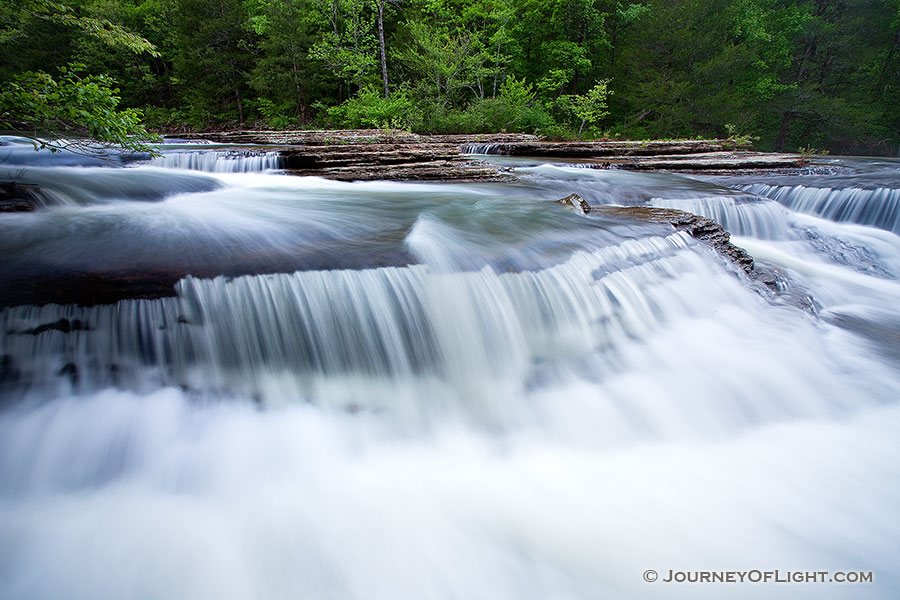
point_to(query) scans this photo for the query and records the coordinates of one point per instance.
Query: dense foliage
(796, 73)
(82, 107)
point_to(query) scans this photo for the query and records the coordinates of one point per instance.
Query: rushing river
(405, 391)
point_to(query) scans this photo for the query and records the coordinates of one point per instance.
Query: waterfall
(280, 336)
(221, 161)
(879, 207)
(501, 149)
(739, 216)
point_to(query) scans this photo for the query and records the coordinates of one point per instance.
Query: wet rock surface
(701, 228)
(369, 155)
(610, 149)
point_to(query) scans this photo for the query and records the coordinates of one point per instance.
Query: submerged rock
(34, 283)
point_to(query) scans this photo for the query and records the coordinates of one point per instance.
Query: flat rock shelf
(366, 155)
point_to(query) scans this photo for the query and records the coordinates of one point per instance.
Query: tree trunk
(298, 89)
(240, 104)
(497, 61)
(384, 75)
(782, 131)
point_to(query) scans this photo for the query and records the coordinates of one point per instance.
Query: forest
(809, 75)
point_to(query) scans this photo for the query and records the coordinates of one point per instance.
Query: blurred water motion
(518, 402)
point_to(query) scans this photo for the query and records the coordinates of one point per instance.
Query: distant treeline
(814, 74)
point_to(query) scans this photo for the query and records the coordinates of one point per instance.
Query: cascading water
(879, 207)
(220, 161)
(85, 186)
(460, 391)
(485, 149)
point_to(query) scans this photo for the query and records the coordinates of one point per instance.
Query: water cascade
(879, 207)
(499, 149)
(387, 390)
(220, 161)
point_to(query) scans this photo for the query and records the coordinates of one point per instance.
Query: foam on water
(170, 499)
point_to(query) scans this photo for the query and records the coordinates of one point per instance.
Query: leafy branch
(76, 105)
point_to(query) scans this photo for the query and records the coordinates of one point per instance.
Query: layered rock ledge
(398, 155)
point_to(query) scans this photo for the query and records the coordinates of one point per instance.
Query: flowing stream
(395, 390)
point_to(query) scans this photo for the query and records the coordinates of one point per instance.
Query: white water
(545, 406)
(879, 207)
(485, 149)
(220, 161)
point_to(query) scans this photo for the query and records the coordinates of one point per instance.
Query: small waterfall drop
(879, 207)
(495, 149)
(221, 161)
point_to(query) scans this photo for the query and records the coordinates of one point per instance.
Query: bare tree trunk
(384, 75)
(240, 104)
(782, 131)
(298, 88)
